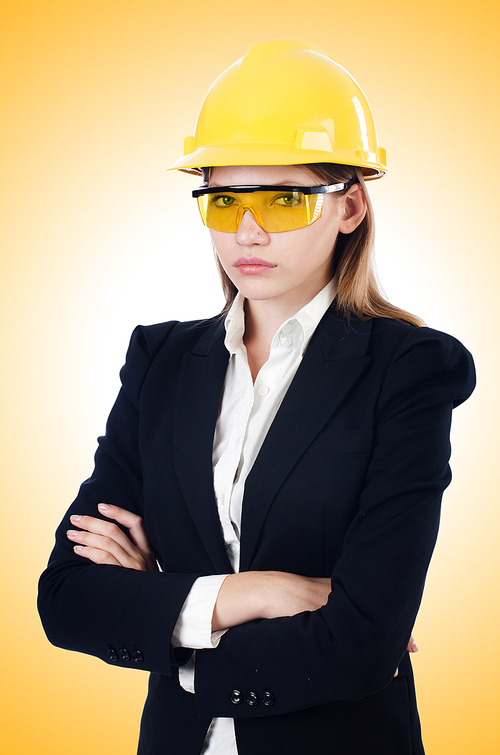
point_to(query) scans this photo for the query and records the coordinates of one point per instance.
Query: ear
(354, 209)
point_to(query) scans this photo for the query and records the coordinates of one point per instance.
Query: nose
(249, 231)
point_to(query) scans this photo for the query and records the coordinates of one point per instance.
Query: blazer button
(267, 698)
(236, 697)
(137, 656)
(252, 698)
(124, 654)
(112, 656)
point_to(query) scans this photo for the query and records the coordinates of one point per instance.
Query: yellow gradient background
(96, 237)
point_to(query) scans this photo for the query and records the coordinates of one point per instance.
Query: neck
(260, 326)
(263, 318)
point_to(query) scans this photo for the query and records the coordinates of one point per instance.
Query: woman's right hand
(251, 595)
(105, 543)
(267, 595)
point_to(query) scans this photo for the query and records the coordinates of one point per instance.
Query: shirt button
(236, 697)
(286, 341)
(263, 390)
(286, 328)
(252, 698)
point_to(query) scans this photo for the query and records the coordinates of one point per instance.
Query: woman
(283, 464)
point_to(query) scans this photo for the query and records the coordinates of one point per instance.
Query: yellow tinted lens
(275, 211)
(286, 211)
(219, 211)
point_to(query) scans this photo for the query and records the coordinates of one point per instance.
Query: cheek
(220, 245)
(318, 249)
(327, 241)
(223, 255)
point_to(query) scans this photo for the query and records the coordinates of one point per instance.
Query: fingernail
(75, 517)
(414, 647)
(72, 533)
(78, 548)
(103, 506)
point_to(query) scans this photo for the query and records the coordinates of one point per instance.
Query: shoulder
(150, 339)
(395, 334)
(425, 357)
(171, 339)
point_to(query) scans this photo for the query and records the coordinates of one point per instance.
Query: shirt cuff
(194, 625)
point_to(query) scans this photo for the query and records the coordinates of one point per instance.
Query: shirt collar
(306, 319)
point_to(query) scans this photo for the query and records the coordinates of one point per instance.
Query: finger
(96, 555)
(106, 545)
(133, 522)
(106, 529)
(323, 583)
(397, 672)
(412, 646)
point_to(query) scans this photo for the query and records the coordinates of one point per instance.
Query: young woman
(265, 501)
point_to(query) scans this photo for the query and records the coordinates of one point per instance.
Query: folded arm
(242, 597)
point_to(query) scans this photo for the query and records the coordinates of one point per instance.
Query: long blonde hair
(358, 292)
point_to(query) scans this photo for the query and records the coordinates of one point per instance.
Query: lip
(252, 265)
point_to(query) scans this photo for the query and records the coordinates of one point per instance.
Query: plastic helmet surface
(284, 103)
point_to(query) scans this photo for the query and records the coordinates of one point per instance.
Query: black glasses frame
(328, 189)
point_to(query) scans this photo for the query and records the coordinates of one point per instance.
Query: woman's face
(289, 267)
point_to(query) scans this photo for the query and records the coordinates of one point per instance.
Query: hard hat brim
(218, 155)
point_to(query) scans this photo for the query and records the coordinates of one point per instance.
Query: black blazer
(348, 484)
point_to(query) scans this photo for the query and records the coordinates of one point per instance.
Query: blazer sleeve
(352, 646)
(120, 615)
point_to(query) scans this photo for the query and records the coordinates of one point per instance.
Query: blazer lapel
(199, 393)
(333, 362)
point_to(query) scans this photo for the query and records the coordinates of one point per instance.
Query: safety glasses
(275, 208)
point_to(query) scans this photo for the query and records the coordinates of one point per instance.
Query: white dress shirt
(246, 414)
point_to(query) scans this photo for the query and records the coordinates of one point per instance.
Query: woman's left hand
(105, 543)
(412, 648)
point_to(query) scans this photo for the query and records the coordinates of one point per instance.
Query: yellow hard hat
(284, 103)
